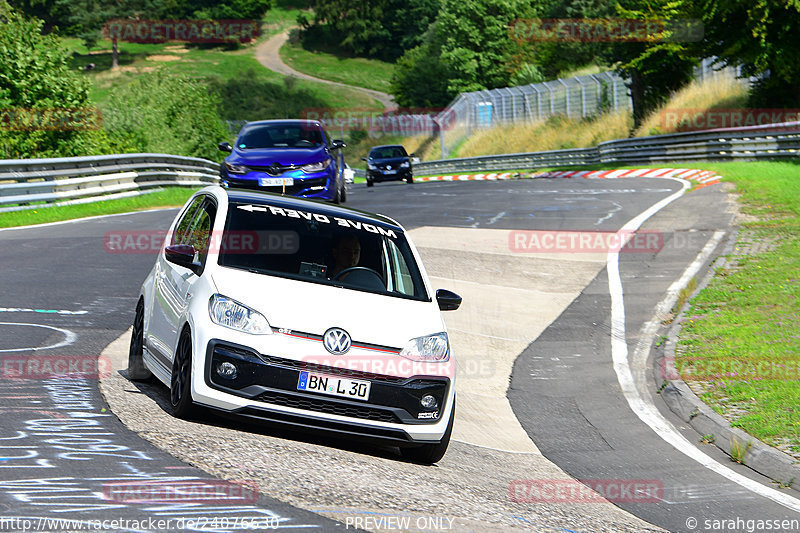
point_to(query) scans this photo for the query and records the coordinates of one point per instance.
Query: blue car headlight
(236, 169)
(316, 167)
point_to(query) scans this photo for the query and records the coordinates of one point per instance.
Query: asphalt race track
(544, 381)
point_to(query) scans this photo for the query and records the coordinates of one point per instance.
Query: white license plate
(390, 172)
(346, 388)
(273, 182)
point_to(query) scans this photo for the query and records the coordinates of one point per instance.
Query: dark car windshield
(319, 248)
(388, 152)
(281, 136)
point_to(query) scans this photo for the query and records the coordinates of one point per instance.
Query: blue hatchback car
(294, 157)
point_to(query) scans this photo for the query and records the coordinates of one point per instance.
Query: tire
(338, 195)
(180, 388)
(370, 182)
(344, 192)
(431, 453)
(410, 180)
(136, 369)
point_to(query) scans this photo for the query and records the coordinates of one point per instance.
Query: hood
(313, 308)
(283, 156)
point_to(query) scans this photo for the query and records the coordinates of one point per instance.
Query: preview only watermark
(586, 491)
(727, 369)
(50, 119)
(708, 119)
(591, 30)
(191, 31)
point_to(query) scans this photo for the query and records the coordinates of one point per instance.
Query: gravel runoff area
(342, 480)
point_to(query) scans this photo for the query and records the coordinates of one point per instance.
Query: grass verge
(740, 340)
(170, 197)
(358, 71)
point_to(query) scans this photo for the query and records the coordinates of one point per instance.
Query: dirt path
(268, 55)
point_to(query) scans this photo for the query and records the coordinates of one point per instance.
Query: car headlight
(236, 169)
(429, 348)
(232, 314)
(371, 166)
(316, 167)
(405, 164)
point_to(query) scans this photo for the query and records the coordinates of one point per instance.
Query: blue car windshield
(281, 136)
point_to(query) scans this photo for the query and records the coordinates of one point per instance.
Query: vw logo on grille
(336, 341)
(274, 169)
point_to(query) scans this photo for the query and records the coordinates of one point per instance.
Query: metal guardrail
(23, 181)
(773, 141)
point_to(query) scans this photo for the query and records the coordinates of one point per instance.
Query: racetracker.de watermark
(50, 119)
(403, 121)
(190, 31)
(693, 119)
(229, 242)
(43, 367)
(727, 369)
(551, 241)
(586, 490)
(610, 30)
(216, 491)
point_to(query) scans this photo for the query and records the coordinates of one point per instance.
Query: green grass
(358, 71)
(743, 332)
(170, 197)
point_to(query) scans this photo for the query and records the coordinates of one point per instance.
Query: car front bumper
(381, 175)
(265, 388)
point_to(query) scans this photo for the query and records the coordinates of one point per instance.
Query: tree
(373, 28)
(763, 37)
(86, 18)
(36, 82)
(468, 48)
(49, 11)
(658, 64)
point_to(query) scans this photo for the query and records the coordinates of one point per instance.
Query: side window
(199, 233)
(401, 277)
(185, 222)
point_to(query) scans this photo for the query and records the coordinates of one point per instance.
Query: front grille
(329, 407)
(274, 170)
(314, 367)
(332, 370)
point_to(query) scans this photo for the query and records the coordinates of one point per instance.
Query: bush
(166, 114)
(35, 79)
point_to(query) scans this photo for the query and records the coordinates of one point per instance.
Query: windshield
(388, 152)
(318, 248)
(280, 136)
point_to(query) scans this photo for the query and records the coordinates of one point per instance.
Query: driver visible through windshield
(321, 248)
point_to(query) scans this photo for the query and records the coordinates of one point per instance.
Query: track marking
(646, 410)
(69, 338)
(47, 311)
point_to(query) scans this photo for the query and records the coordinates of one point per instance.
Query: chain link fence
(578, 97)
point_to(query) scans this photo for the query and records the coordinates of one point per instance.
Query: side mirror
(447, 300)
(183, 255)
(225, 147)
(337, 143)
(412, 154)
(363, 158)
